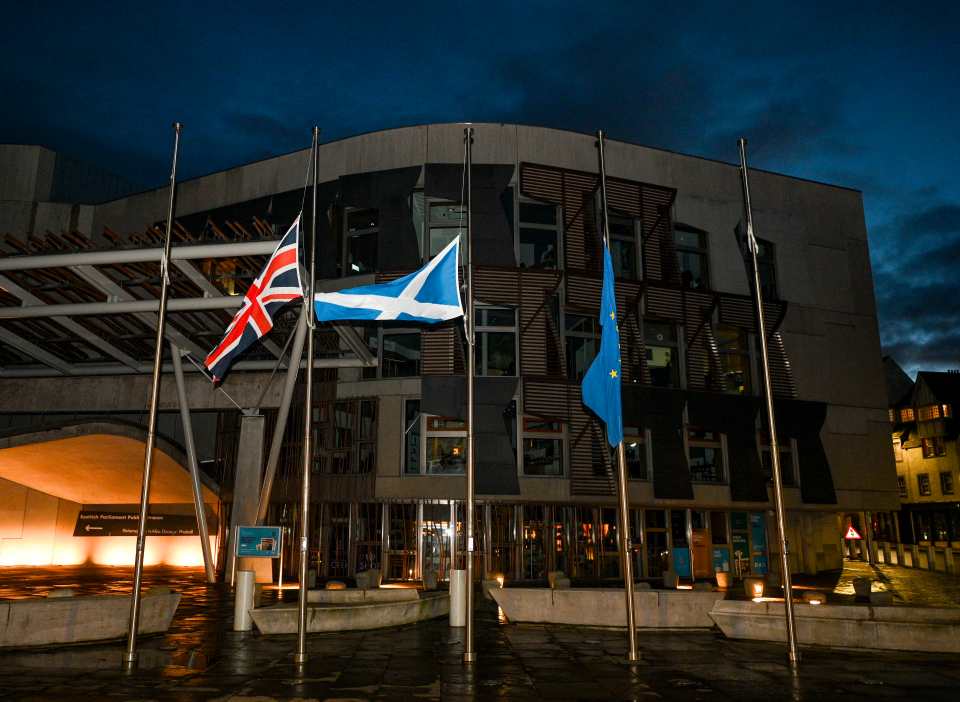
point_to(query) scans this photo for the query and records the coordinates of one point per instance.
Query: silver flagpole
(300, 656)
(792, 653)
(626, 565)
(130, 657)
(469, 653)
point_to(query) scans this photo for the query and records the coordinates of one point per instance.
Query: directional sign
(106, 523)
(852, 533)
(258, 542)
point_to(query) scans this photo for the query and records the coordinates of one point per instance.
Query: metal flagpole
(469, 653)
(792, 652)
(130, 657)
(191, 447)
(624, 502)
(301, 654)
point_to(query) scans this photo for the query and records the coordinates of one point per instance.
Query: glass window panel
(688, 238)
(445, 424)
(718, 527)
(441, 236)
(368, 420)
(411, 440)
(447, 213)
(367, 458)
(362, 253)
(621, 228)
(542, 456)
(358, 220)
(343, 423)
(623, 254)
(706, 464)
(534, 213)
(542, 425)
(946, 483)
(635, 451)
(496, 353)
(538, 248)
(446, 454)
(418, 213)
(496, 317)
(580, 354)
(693, 269)
(401, 355)
(678, 527)
(655, 519)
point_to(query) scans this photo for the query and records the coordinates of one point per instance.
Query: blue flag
(431, 294)
(601, 384)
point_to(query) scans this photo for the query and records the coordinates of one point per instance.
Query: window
(946, 483)
(542, 447)
(445, 445)
(362, 229)
(635, 447)
(902, 485)
(906, 414)
(787, 469)
(767, 268)
(734, 359)
(623, 247)
(662, 354)
(539, 236)
(923, 484)
(397, 352)
(946, 411)
(437, 223)
(411, 437)
(928, 412)
(691, 247)
(345, 434)
(897, 451)
(933, 447)
(705, 456)
(893, 415)
(496, 348)
(582, 335)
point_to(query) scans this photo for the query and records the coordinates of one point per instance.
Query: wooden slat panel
(540, 342)
(437, 346)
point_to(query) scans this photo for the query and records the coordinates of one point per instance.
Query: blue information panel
(681, 561)
(258, 542)
(758, 538)
(721, 559)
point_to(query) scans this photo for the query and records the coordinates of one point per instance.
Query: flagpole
(469, 654)
(792, 652)
(300, 656)
(130, 658)
(624, 501)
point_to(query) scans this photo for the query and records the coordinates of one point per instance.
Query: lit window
(705, 455)
(923, 484)
(582, 335)
(897, 451)
(662, 353)
(397, 352)
(412, 427)
(635, 444)
(892, 414)
(542, 447)
(902, 485)
(445, 445)
(623, 247)
(692, 259)
(906, 414)
(946, 483)
(362, 230)
(734, 359)
(933, 447)
(946, 411)
(539, 236)
(928, 412)
(345, 438)
(496, 336)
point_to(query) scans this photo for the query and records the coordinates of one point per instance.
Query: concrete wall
(37, 529)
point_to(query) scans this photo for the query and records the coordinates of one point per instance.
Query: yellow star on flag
(613, 373)
(613, 315)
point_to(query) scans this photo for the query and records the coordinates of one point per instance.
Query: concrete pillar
(948, 560)
(931, 557)
(246, 485)
(914, 556)
(900, 557)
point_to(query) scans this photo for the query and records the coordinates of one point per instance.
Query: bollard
(458, 598)
(243, 600)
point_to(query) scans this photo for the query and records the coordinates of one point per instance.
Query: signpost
(852, 534)
(110, 523)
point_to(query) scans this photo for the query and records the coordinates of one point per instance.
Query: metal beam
(88, 309)
(355, 342)
(100, 258)
(30, 300)
(34, 351)
(100, 281)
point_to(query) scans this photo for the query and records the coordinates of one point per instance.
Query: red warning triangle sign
(852, 533)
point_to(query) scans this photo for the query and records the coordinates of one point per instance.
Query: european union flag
(601, 384)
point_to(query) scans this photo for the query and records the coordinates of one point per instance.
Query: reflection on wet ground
(201, 658)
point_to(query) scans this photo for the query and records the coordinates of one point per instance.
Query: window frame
(381, 332)
(430, 433)
(946, 474)
(702, 250)
(763, 446)
(744, 341)
(558, 434)
(902, 487)
(347, 235)
(635, 239)
(675, 346)
(933, 447)
(921, 478)
(768, 262)
(578, 335)
(720, 444)
(557, 228)
(427, 224)
(643, 438)
(480, 328)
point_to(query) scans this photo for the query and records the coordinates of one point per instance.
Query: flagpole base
(470, 657)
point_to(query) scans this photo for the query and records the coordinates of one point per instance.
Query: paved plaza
(201, 659)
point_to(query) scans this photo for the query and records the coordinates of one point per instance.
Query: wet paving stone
(200, 658)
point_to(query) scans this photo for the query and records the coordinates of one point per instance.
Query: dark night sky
(867, 98)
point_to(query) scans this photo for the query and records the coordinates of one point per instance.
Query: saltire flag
(277, 284)
(601, 384)
(429, 295)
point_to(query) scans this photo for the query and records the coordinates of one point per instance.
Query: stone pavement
(201, 659)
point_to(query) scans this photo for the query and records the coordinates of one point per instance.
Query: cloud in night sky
(864, 98)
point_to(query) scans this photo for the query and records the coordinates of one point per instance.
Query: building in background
(390, 450)
(925, 450)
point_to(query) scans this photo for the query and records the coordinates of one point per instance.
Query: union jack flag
(278, 284)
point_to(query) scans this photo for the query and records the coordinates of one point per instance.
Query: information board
(115, 523)
(258, 542)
